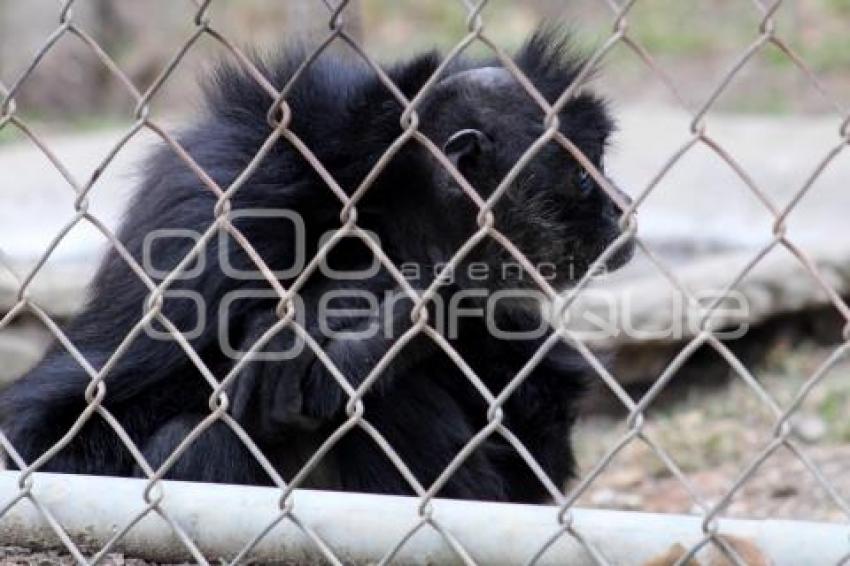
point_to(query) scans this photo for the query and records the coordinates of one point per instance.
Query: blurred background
(693, 41)
(702, 220)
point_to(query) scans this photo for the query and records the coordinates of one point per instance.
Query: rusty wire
(279, 117)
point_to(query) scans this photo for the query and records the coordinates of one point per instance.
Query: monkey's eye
(584, 182)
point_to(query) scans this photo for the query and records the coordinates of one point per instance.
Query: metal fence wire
(279, 115)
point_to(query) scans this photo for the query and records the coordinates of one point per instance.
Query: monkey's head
(553, 210)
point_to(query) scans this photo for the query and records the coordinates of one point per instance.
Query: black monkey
(423, 404)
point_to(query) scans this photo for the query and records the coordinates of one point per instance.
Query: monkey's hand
(355, 348)
(267, 394)
(292, 382)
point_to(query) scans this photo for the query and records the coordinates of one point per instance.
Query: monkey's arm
(270, 394)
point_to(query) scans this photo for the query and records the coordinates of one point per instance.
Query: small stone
(629, 501)
(604, 497)
(783, 491)
(626, 478)
(616, 499)
(809, 428)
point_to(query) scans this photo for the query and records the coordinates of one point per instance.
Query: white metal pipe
(361, 528)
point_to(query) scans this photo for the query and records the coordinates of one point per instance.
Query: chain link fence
(279, 116)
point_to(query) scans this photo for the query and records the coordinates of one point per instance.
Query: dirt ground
(714, 433)
(10, 555)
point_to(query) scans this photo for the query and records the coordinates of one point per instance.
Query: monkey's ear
(465, 143)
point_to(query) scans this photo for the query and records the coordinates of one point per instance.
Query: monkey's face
(553, 210)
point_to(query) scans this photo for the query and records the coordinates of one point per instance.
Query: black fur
(423, 405)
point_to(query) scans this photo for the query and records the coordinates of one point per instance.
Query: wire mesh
(280, 117)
